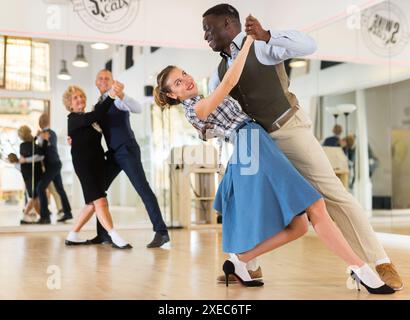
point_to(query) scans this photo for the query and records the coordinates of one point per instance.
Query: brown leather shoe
(255, 275)
(390, 276)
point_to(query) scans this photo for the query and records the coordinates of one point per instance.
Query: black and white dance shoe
(158, 241)
(127, 246)
(74, 240)
(233, 266)
(99, 240)
(75, 243)
(43, 221)
(65, 217)
(367, 278)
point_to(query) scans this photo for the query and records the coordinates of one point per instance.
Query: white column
(364, 185)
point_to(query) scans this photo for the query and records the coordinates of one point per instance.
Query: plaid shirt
(220, 123)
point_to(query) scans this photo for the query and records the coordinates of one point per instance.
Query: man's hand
(12, 157)
(45, 135)
(22, 160)
(118, 89)
(69, 140)
(254, 29)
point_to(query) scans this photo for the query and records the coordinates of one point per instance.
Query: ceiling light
(346, 108)
(298, 63)
(100, 46)
(80, 61)
(64, 74)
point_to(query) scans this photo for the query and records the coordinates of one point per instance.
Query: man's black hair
(222, 9)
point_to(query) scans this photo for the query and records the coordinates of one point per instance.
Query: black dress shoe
(73, 243)
(99, 240)
(158, 241)
(127, 246)
(27, 222)
(65, 218)
(44, 221)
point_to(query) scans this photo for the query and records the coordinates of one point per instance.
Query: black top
(50, 149)
(86, 150)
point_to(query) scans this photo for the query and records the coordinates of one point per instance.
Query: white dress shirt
(126, 104)
(282, 45)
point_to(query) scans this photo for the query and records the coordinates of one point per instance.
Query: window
(24, 64)
(23, 107)
(2, 49)
(40, 66)
(18, 64)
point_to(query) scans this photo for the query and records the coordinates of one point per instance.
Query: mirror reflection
(358, 103)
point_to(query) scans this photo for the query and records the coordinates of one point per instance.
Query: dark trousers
(128, 158)
(52, 173)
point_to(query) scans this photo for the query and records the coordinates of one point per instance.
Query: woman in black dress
(88, 160)
(30, 155)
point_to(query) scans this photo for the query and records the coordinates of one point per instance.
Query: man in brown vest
(263, 93)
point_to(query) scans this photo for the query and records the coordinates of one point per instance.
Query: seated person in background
(334, 141)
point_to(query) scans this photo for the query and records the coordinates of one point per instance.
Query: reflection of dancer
(334, 141)
(262, 92)
(52, 173)
(124, 154)
(57, 193)
(262, 208)
(88, 160)
(57, 199)
(31, 176)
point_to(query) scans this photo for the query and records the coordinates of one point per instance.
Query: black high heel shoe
(384, 289)
(229, 268)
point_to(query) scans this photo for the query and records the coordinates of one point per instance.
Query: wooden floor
(185, 269)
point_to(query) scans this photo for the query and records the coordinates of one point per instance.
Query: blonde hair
(161, 90)
(24, 133)
(350, 140)
(68, 93)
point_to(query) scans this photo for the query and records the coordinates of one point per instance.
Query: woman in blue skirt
(264, 200)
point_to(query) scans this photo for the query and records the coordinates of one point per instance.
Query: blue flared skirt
(261, 191)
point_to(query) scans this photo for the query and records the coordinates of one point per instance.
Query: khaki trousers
(301, 147)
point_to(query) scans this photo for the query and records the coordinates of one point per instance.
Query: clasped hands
(254, 29)
(117, 90)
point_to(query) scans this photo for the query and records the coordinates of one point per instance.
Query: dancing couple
(97, 170)
(270, 208)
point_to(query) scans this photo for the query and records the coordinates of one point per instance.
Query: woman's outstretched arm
(207, 105)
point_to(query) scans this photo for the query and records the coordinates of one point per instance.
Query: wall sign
(107, 16)
(385, 29)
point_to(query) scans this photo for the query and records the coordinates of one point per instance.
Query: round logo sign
(107, 16)
(385, 30)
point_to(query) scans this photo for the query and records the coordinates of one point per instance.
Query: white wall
(176, 23)
(387, 109)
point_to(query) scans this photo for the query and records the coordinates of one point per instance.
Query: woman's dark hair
(161, 90)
